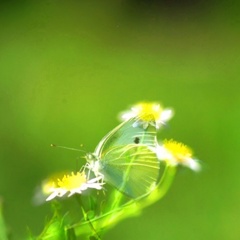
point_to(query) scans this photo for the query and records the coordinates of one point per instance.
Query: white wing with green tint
(133, 170)
(126, 159)
(127, 133)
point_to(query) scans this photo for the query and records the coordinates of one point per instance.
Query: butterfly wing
(126, 159)
(133, 169)
(126, 133)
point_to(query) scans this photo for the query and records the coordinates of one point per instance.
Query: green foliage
(100, 212)
(63, 63)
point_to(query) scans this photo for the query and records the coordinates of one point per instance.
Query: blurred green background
(68, 67)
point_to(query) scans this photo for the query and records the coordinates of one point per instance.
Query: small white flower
(175, 153)
(148, 113)
(71, 184)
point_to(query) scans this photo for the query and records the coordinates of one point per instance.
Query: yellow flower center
(148, 111)
(178, 150)
(72, 181)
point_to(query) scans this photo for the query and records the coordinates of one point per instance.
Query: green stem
(132, 207)
(3, 232)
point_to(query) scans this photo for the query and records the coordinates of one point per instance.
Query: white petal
(193, 164)
(162, 153)
(53, 195)
(73, 191)
(145, 124)
(57, 192)
(126, 115)
(95, 185)
(135, 124)
(166, 115)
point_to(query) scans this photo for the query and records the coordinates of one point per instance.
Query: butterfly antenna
(68, 148)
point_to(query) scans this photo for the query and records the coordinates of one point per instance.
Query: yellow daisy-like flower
(176, 153)
(148, 113)
(70, 183)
